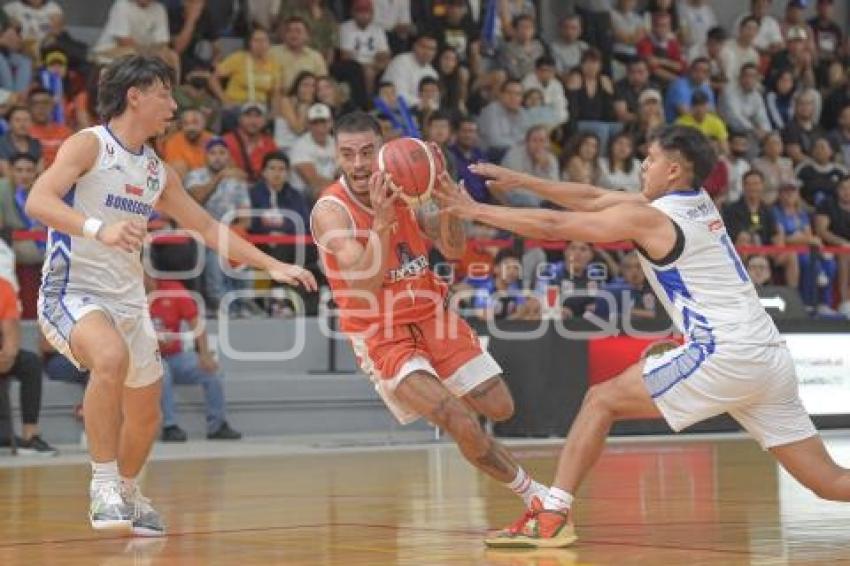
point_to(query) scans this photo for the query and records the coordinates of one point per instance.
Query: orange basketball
(412, 168)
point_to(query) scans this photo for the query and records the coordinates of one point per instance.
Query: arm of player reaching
(45, 202)
(446, 230)
(362, 266)
(176, 203)
(627, 221)
(574, 196)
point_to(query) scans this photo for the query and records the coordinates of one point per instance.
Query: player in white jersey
(96, 198)
(733, 359)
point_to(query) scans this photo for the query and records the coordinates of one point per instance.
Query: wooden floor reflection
(688, 502)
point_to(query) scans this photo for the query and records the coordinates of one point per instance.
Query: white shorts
(57, 315)
(756, 385)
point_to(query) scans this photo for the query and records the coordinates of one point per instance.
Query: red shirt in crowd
(670, 49)
(51, 136)
(265, 144)
(170, 306)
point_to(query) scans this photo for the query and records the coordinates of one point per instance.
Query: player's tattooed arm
(446, 230)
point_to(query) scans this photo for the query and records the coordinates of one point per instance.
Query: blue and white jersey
(703, 284)
(119, 186)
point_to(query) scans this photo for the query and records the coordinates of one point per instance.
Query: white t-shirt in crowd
(405, 72)
(35, 22)
(390, 13)
(770, 32)
(306, 150)
(698, 20)
(146, 26)
(619, 180)
(364, 43)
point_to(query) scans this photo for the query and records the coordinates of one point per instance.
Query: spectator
(620, 171)
(36, 19)
(739, 164)
(185, 149)
(15, 67)
(313, 156)
(13, 197)
(133, 26)
(534, 109)
(769, 39)
(465, 152)
(293, 56)
(517, 57)
(6, 99)
(650, 116)
(501, 123)
(682, 89)
(429, 100)
(668, 7)
(627, 91)
(815, 270)
(248, 144)
(453, 80)
(742, 105)
(284, 208)
(758, 269)
(18, 363)
(800, 133)
(795, 15)
(751, 217)
(578, 278)
(820, 175)
(631, 293)
(53, 77)
(544, 79)
(662, 50)
(194, 33)
(394, 18)
(459, 32)
(323, 26)
(291, 119)
(703, 119)
(739, 51)
(828, 37)
(328, 93)
(717, 38)
(591, 97)
(509, 10)
(778, 100)
(717, 182)
(568, 48)
(698, 18)
(195, 93)
(535, 158)
(835, 102)
(438, 130)
(171, 306)
(581, 160)
(832, 225)
(776, 169)
(223, 191)
(406, 70)
(50, 134)
(629, 29)
(18, 139)
(840, 136)
(796, 58)
(364, 41)
(389, 106)
(499, 295)
(252, 74)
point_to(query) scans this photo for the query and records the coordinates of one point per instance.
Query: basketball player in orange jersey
(424, 360)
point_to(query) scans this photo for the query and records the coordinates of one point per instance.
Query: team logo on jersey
(110, 150)
(153, 184)
(715, 225)
(410, 266)
(134, 190)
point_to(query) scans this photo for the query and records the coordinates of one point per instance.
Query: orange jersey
(411, 292)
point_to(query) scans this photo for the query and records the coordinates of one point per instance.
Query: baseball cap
(255, 106)
(318, 112)
(649, 94)
(214, 142)
(797, 33)
(54, 57)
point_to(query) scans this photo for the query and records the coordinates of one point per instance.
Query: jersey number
(733, 255)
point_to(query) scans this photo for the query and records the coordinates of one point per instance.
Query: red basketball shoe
(537, 528)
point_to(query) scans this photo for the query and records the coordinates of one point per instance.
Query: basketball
(412, 166)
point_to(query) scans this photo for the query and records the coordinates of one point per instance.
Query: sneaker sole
(526, 542)
(111, 524)
(146, 532)
(32, 452)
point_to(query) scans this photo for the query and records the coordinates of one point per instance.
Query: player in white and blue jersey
(733, 360)
(96, 198)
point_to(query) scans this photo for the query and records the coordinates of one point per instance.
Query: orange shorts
(443, 345)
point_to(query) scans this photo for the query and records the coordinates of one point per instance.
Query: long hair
(140, 71)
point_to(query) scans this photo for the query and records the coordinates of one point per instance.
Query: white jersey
(703, 284)
(121, 185)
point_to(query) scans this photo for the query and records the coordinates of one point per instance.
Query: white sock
(104, 473)
(524, 486)
(128, 484)
(558, 500)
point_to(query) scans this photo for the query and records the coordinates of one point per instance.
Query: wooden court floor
(650, 502)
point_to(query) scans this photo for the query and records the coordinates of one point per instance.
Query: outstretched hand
(452, 198)
(499, 179)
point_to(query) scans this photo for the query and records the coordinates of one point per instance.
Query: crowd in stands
(260, 83)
